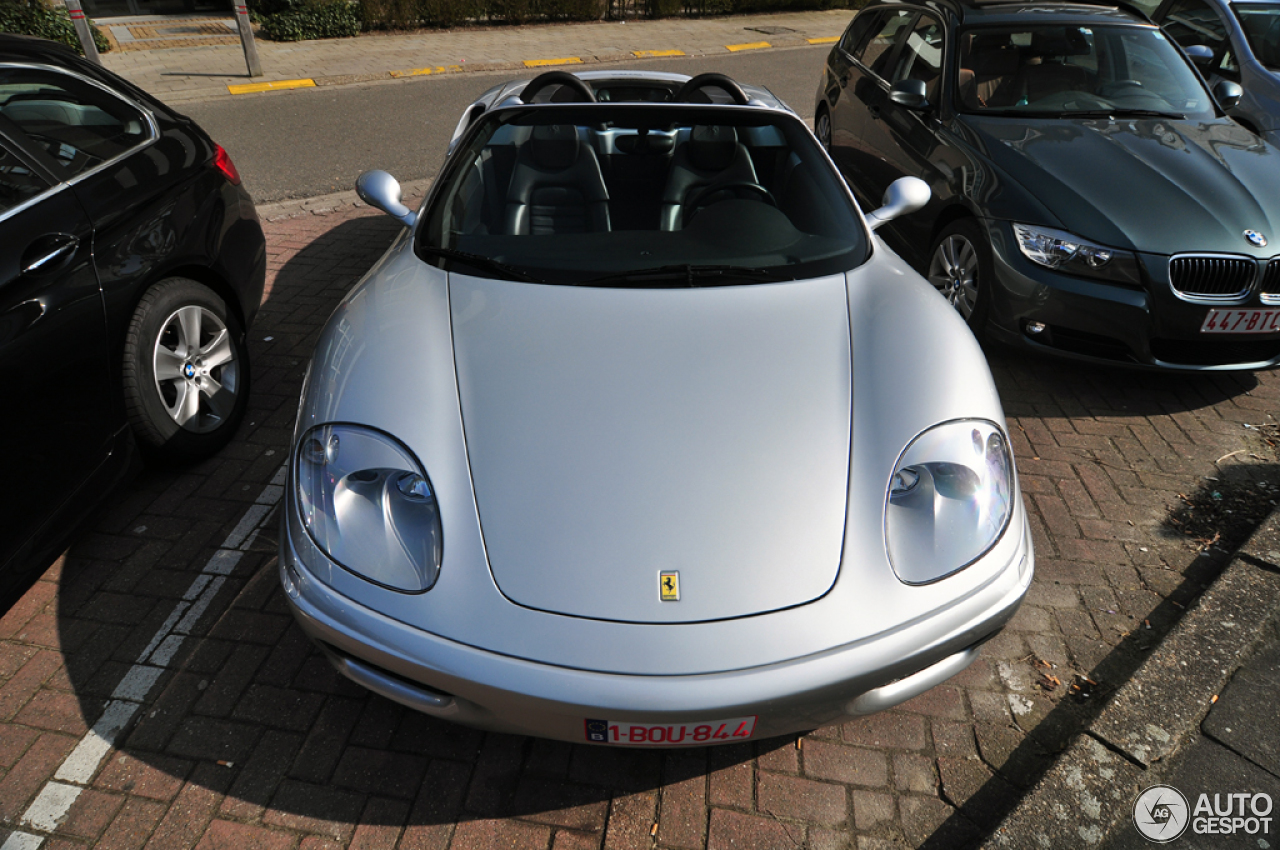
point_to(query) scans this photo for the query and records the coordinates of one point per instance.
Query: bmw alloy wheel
(196, 371)
(953, 271)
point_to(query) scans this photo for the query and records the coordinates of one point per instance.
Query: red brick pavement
(249, 740)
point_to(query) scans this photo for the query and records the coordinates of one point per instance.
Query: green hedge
(32, 17)
(291, 20)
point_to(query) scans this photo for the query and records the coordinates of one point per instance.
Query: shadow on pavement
(1211, 518)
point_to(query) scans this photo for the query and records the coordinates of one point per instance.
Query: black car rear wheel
(960, 268)
(186, 371)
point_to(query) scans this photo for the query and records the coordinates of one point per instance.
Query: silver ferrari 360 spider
(637, 435)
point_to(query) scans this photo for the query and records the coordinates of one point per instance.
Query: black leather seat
(712, 155)
(556, 186)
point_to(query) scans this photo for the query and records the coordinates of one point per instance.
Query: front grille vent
(1211, 277)
(1271, 279)
(1214, 352)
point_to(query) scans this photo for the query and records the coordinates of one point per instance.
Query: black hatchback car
(1090, 197)
(131, 263)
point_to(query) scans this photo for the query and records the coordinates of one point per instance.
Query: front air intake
(1209, 276)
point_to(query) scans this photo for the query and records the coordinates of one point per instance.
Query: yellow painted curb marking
(249, 88)
(538, 63)
(754, 45)
(647, 54)
(825, 40)
(420, 72)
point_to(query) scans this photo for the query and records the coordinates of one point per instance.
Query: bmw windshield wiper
(685, 275)
(479, 262)
(1120, 112)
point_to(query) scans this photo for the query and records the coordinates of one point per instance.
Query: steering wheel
(557, 78)
(1119, 87)
(719, 81)
(694, 204)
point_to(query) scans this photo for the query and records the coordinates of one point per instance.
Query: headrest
(554, 146)
(991, 55)
(1059, 41)
(712, 147)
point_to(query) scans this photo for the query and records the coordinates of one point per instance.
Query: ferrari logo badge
(669, 586)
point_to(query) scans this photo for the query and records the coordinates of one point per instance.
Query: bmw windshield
(640, 195)
(1261, 25)
(1076, 70)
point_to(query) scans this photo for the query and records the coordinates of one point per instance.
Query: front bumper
(1147, 328)
(497, 692)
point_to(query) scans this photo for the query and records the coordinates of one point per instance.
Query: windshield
(1261, 25)
(1061, 70)
(635, 194)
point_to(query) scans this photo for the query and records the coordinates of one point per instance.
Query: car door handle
(47, 253)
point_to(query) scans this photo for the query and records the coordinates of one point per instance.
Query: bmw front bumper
(1085, 319)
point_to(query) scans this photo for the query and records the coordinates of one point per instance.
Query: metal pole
(246, 39)
(82, 30)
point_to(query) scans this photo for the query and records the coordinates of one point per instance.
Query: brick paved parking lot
(163, 629)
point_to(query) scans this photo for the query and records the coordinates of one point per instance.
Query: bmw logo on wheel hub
(189, 371)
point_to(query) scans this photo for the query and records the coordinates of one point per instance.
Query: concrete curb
(413, 191)
(1090, 790)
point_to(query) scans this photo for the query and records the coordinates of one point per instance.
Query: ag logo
(1161, 814)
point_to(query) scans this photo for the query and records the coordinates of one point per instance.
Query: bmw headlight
(949, 501)
(369, 506)
(1064, 252)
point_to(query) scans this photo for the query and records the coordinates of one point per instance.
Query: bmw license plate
(1241, 322)
(669, 734)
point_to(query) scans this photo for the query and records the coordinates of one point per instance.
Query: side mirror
(904, 195)
(1199, 54)
(909, 93)
(1228, 94)
(379, 189)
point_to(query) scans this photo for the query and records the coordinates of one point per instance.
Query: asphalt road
(306, 142)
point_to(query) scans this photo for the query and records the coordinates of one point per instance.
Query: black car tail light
(223, 163)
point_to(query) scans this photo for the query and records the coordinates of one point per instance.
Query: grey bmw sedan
(638, 435)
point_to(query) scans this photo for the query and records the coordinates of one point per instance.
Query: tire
(186, 372)
(822, 128)
(960, 268)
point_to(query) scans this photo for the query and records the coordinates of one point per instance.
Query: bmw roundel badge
(1255, 238)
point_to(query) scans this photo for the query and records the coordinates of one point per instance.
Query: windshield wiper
(1121, 112)
(686, 275)
(479, 262)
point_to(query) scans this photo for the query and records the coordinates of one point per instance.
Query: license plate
(669, 734)
(1241, 322)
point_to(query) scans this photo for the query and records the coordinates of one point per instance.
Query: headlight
(1061, 251)
(369, 506)
(949, 500)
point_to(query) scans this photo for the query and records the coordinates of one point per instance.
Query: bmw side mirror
(380, 190)
(904, 195)
(909, 93)
(1228, 94)
(1199, 54)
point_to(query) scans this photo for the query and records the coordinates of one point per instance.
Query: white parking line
(53, 802)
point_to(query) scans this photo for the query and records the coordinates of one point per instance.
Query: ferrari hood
(619, 435)
(1148, 184)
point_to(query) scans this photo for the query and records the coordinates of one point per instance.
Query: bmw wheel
(822, 128)
(960, 268)
(186, 371)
